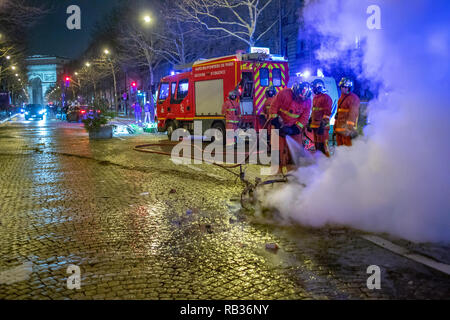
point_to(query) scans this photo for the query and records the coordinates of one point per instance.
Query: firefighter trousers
(285, 155)
(342, 140)
(321, 141)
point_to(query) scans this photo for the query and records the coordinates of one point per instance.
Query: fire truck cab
(199, 93)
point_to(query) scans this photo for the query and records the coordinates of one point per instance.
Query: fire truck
(198, 93)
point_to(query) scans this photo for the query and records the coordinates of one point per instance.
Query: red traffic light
(133, 84)
(67, 78)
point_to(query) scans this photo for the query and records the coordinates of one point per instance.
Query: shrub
(95, 122)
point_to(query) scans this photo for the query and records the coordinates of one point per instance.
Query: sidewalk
(4, 117)
(126, 125)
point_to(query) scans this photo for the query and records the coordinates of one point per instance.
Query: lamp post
(111, 64)
(148, 21)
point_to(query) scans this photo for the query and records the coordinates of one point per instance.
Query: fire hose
(249, 189)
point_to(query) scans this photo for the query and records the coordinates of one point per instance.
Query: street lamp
(111, 63)
(88, 64)
(13, 67)
(8, 57)
(147, 19)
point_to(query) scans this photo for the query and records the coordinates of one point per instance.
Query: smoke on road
(395, 179)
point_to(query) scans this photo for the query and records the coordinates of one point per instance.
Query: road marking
(445, 268)
(17, 274)
(194, 168)
(212, 175)
(10, 118)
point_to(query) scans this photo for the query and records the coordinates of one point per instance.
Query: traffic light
(67, 80)
(133, 86)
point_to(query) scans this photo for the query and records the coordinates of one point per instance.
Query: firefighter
(232, 111)
(347, 114)
(290, 113)
(320, 116)
(265, 110)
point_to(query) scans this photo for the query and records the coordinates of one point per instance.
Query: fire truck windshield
(164, 91)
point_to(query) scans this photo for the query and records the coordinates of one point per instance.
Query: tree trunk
(151, 73)
(115, 88)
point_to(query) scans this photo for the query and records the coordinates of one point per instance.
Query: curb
(8, 119)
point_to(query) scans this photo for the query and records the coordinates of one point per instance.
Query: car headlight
(27, 113)
(42, 112)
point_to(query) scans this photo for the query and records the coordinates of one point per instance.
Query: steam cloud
(395, 179)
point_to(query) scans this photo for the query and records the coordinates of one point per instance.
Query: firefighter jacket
(232, 111)
(347, 113)
(291, 111)
(322, 105)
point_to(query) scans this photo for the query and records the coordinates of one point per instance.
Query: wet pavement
(142, 227)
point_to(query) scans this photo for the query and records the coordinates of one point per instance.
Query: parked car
(34, 111)
(78, 113)
(75, 114)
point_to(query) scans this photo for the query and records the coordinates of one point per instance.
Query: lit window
(183, 89)
(264, 77)
(172, 91)
(163, 91)
(276, 73)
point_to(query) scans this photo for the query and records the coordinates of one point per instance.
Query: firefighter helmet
(270, 92)
(233, 95)
(346, 83)
(302, 90)
(318, 86)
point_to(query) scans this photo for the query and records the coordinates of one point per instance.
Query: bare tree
(236, 18)
(91, 74)
(137, 49)
(18, 14)
(181, 41)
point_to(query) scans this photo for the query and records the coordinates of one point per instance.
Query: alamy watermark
(374, 20)
(74, 280)
(73, 22)
(374, 281)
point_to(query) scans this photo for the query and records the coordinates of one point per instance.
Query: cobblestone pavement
(141, 227)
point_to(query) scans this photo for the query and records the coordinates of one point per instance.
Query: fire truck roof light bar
(244, 57)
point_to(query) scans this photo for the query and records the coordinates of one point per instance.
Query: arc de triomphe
(43, 72)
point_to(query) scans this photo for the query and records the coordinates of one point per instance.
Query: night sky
(50, 35)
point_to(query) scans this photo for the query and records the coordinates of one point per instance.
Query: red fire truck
(198, 93)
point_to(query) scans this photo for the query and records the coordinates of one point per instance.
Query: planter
(105, 132)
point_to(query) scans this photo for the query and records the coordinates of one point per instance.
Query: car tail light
(83, 111)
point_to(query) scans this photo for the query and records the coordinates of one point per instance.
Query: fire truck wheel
(170, 129)
(219, 126)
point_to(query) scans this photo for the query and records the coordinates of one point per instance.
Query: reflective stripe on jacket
(231, 110)
(347, 113)
(292, 112)
(322, 105)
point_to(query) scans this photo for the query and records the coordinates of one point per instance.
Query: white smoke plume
(395, 179)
